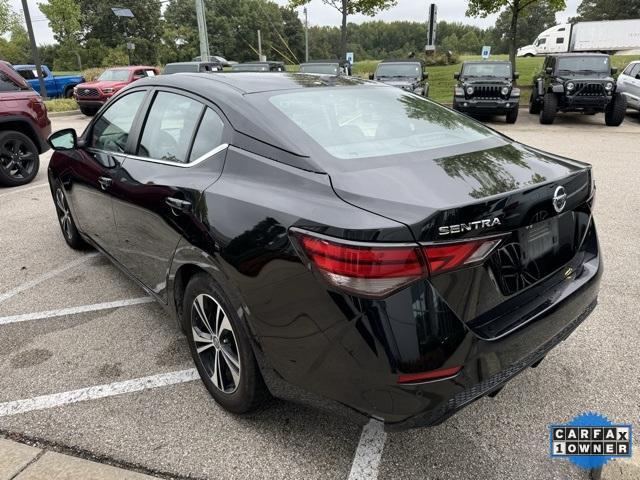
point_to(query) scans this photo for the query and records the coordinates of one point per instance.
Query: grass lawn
(61, 104)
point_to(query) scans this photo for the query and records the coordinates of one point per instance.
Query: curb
(68, 113)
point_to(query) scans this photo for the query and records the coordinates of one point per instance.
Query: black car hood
(486, 81)
(604, 77)
(413, 190)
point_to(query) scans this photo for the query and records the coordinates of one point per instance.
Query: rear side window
(28, 74)
(6, 84)
(209, 135)
(169, 128)
(559, 40)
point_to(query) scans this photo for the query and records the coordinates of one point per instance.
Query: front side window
(350, 123)
(28, 74)
(542, 41)
(635, 70)
(111, 130)
(169, 128)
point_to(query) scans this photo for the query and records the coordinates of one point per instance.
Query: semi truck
(609, 36)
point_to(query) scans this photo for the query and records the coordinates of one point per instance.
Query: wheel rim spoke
(215, 343)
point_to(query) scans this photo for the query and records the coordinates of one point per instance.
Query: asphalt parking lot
(70, 322)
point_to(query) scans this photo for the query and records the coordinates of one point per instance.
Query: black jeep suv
(573, 82)
(487, 88)
(407, 74)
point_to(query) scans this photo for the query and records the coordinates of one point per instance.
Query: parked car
(24, 128)
(219, 59)
(92, 95)
(629, 84)
(577, 82)
(341, 243)
(56, 86)
(192, 67)
(408, 74)
(326, 67)
(269, 66)
(487, 88)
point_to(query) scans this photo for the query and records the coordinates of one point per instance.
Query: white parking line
(25, 189)
(74, 310)
(46, 276)
(369, 452)
(99, 391)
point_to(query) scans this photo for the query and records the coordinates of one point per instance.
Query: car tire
(549, 109)
(221, 350)
(616, 111)
(68, 93)
(534, 106)
(65, 219)
(89, 111)
(19, 159)
(512, 115)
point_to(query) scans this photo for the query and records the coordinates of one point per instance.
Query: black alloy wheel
(220, 347)
(19, 159)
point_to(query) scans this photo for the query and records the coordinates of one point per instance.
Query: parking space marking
(74, 310)
(45, 276)
(99, 391)
(25, 189)
(369, 452)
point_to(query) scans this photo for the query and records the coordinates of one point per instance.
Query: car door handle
(177, 204)
(105, 182)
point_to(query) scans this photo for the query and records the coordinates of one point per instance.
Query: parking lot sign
(350, 57)
(486, 51)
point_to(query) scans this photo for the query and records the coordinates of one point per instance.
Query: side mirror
(456, 75)
(549, 70)
(516, 75)
(614, 70)
(65, 139)
(425, 75)
(638, 76)
(371, 76)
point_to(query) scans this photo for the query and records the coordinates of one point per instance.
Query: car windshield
(593, 64)
(114, 76)
(413, 70)
(351, 123)
(325, 68)
(502, 70)
(250, 68)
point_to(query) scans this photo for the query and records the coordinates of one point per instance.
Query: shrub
(61, 105)
(92, 74)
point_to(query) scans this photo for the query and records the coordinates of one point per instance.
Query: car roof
(482, 62)
(320, 61)
(194, 63)
(258, 62)
(132, 67)
(577, 54)
(402, 60)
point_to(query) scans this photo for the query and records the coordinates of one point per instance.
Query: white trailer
(611, 36)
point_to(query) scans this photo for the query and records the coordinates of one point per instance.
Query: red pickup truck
(92, 95)
(24, 128)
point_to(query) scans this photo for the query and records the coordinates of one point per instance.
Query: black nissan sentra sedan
(332, 240)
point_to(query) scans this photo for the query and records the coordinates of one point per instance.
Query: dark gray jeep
(407, 74)
(577, 82)
(487, 88)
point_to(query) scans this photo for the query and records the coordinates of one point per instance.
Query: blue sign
(486, 51)
(590, 440)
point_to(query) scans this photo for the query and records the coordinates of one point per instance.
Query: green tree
(482, 8)
(531, 21)
(17, 49)
(64, 19)
(8, 18)
(350, 7)
(470, 43)
(590, 10)
(451, 42)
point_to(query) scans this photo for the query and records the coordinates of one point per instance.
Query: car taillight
(376, 270)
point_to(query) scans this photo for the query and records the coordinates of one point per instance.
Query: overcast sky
(321, 14)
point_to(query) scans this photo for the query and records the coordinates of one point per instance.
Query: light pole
(125, 13)
(34, 49)
(306, 36)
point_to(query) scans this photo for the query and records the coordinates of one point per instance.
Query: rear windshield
(114, 76)
(413, 70)
(584, 64)
(325, 68)
(502, 70)
(350, 123)
(180, 68)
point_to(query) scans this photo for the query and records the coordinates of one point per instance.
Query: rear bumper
(352, 364)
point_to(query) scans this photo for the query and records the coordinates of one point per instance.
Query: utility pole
(34, 49)
(202, 31)
(259, 46)
(306, 36)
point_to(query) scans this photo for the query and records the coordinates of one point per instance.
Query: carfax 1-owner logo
(590, 440)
